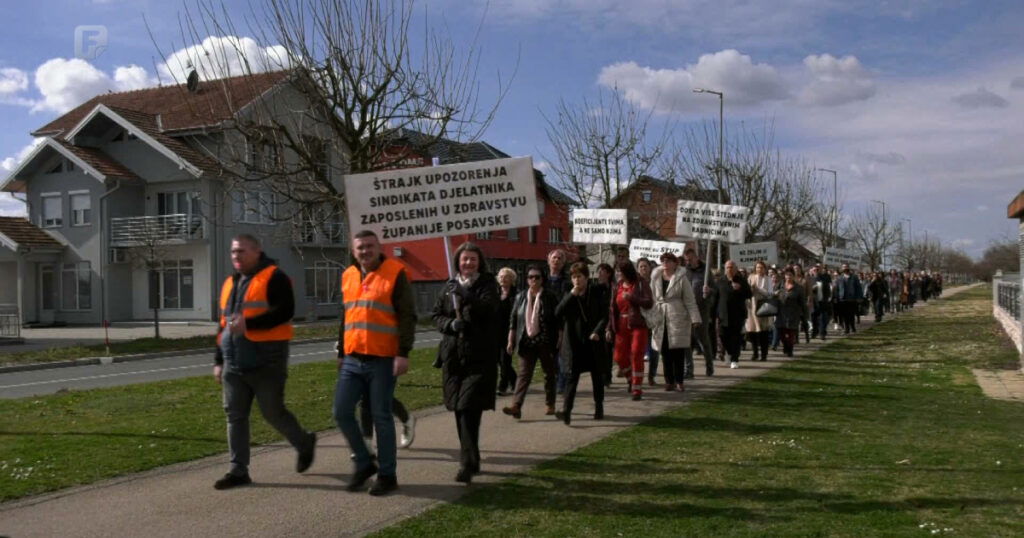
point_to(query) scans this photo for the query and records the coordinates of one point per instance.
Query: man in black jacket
(728, 299)
(695, 274)
(257, 305)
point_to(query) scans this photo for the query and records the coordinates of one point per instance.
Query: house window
(171, 285)
(532, 230)
(263, 154)
(513, 234)
(320, 224)
(483, 235)
(323, 281)
(53, 210)
(554, 235)
(645, 196)
(319, 154)
(177, 203)
(81, 208)
(76, 286)
(540, 206)
(254, 207)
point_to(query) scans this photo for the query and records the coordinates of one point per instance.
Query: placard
(599, 226)
(718, 222)
(652, 250)
(834, 257)
(438, 201)
(748, 254)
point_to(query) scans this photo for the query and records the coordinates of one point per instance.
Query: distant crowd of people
(495, 330)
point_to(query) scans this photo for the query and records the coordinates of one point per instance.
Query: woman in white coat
(759, 329)
(671, 318)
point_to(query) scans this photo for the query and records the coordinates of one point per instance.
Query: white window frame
(513, 234)
(83, 216)
(80, 269)
(532, 234)
(554, 234)
(331, 294)
(178, 266)
(646, 196)
(262, 210)
(483, 235)
(44, 221)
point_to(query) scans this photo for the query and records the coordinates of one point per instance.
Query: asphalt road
(50, 381)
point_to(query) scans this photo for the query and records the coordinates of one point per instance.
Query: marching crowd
(495, 330)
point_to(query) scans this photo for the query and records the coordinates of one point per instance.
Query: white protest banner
(834, 257)
(646, 248)
(748, 254)
(599, 226)
(420, 203)
(704, 220)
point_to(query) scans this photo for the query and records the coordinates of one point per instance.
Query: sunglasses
(534, 277)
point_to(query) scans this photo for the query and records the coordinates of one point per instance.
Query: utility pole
(719, 166)
(883, 228)
(834, 232)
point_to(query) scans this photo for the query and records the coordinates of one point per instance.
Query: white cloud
(890, 158)
(980, 98)
(9, 206)
(982, 208)
(1017, 83)
(12, 81)
(741, 80)
(65, 84)
(218, 57)
(133, 77)
(836, 81)
(10, 163)
(962, 244)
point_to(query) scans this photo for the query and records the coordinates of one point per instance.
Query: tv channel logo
(90, 41)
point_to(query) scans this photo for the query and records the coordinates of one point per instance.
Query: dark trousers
(760, 341)
(788, 337)
(596, 380)
(266, 386)
(507, 373)
(529, 354)
(820, 318)
(366, 414)
(675, 363)
(848, 315)
(732, 340)
(467, 422)
(376, 378)
(879, 305)
(699, 337)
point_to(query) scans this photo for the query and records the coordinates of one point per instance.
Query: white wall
(200, 282)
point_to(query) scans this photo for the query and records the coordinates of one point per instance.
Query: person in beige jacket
(759, 329)
(671, 319)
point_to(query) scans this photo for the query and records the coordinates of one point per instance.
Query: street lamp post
(719, 166)
(910, 235)
(883, 228)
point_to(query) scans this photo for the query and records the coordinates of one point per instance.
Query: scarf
(532, 313)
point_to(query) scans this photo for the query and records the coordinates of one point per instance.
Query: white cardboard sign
(718, 222)
(421, 203)
(747, 254)
(599, 226)
(646, 248)
(834, 257)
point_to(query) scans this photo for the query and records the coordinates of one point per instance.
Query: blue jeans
(375, 376)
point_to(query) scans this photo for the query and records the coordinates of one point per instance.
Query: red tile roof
(24, 233)
(148, 124)
(179, 109)
(103, 163)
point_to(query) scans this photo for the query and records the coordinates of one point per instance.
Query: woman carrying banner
(759, 328)
(465, 314)
(671, 319)
(626, 325)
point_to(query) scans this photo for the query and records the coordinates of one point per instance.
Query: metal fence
(10, 322)
(1007, 296)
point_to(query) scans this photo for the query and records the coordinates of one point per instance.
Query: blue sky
(916, 102)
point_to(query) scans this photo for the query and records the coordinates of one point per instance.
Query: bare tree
(601, 147)
(151, 242)
(797, 197)
(362, 87)
(872, 234)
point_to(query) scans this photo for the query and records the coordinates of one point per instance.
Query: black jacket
(792, 307)
(727, 304)
(581, 317)
(281, 309)
(469, 357)
(548, 322)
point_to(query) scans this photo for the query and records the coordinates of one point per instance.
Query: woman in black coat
(507, 294)
(584, 313)
(792, 309)
(466, 315)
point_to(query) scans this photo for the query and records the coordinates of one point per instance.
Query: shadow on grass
(111, 434)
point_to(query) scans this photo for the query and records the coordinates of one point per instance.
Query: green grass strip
(882, 434)
(62, 440)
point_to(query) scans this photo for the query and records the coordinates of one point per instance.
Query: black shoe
(360, 477)
(709, 371)
(232, 480)
(599, 413)
(637, 397)
(464, 475)
(688, 376)
(384, 485)
(564, 416)
(306, 456)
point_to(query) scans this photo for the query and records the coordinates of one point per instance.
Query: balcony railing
(1008, 297)
(10, 321)
(160, 229)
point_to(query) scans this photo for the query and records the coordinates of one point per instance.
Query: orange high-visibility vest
(254, 304)
(371, 325)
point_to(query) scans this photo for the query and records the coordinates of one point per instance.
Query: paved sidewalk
(1001, 384)
(179, 500)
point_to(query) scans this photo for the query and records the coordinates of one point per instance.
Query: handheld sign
(646, 248)
(599, 226)
(421, 203)
(718, 222)
(835, 257)
(750, 253)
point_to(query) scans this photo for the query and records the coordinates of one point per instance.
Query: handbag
(768, 308)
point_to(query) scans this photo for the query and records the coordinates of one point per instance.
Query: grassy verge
(145, 345)
(52, 442)
(882, 434)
